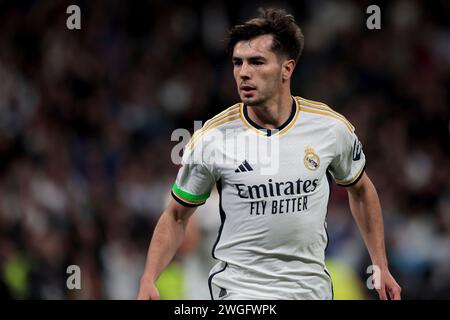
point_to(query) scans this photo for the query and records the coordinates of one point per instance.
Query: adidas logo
(244, 167)
(223, 292)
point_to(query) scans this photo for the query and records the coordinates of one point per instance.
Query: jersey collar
(270, 132)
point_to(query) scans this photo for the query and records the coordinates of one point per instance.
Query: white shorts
(227, 283)
(224, 294)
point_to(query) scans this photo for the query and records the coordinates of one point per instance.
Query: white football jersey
(274, 192)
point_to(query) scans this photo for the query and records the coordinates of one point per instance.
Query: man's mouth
(247, 89)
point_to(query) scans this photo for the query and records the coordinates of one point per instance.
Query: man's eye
(237, 63)
(258, 63)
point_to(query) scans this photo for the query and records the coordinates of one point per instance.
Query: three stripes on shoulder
(322, 109)
(233, 113)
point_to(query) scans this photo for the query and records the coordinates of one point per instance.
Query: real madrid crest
(311, 160)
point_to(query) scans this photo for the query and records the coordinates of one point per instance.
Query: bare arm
(167, 238)
(366, 210)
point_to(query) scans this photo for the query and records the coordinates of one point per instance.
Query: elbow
(179, 214)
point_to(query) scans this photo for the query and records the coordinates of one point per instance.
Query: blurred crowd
(86, 118)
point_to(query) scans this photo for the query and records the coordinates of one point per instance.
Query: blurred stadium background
(86, 118)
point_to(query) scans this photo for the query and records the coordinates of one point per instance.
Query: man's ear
(287, 69)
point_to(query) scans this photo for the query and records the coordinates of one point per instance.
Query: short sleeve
(349, 162)
(195, 179)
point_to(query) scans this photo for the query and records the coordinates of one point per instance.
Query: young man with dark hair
(272, 240)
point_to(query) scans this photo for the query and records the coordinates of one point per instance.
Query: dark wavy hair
(288, 38)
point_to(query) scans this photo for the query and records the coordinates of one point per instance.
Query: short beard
(255, 103)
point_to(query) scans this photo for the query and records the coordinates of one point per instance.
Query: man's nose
(244, 73)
